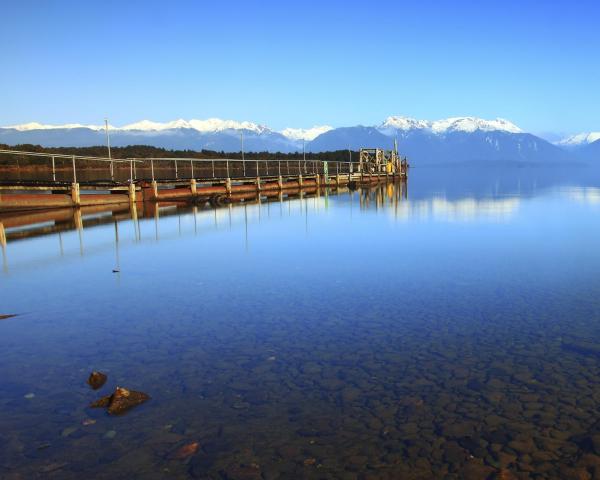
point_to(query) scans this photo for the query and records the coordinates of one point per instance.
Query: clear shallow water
(450, 334)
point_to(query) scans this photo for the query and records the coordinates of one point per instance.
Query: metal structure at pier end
(44, 180)
(377, 160)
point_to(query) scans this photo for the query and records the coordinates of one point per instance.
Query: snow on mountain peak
(471, 124)
(456, 124)
(39, 126)
(209, 125)
(579, 139)
(404, 123)
(305, 133)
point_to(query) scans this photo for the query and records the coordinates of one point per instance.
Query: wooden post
(258, 183)
(318, 180)
(131, 190)
(75, 194)
(299, 178)
(280, 182)
(2, 235)
(228, 185)
(53, 170)
(74, 171)
(193, 187)
(154, 190)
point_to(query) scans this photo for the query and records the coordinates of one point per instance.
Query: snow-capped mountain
(305, 134)
(454, 124)
(455, 139)
(580, 139)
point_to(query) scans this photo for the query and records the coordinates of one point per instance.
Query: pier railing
(43, 167)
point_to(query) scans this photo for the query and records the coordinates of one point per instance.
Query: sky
(302, 63)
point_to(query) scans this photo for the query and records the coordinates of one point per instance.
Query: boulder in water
(121, 401)
(96, 380)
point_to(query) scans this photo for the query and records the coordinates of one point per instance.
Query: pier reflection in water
(443, 331)
(28, 225)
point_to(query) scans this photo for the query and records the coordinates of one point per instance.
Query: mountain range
(456, 140)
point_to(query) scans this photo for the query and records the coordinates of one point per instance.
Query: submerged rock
(102, 403)
(96, 380)
(121, 401)
(5, 317)
(186, 451)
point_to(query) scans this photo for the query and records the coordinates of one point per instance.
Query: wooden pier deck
(47, 181)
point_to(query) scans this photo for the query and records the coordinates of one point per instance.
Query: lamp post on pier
(242, 143)
(112, 175)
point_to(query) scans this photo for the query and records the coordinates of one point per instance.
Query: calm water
(454, 333)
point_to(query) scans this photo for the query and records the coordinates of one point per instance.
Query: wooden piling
(131, 192)
(75, 197)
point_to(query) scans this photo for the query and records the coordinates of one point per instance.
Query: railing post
(279, 168)
(53, 171)
(227, 164)
(74, 170)
(267, 165)
(287, 162)
(134, 170)
(244, 166)
(213, 168)
(130, 171)
(152, 168)
(176, 173)
(257, 174)
(192, 165)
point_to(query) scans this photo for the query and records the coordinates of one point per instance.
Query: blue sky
(301, 63)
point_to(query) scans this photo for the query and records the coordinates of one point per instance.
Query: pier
(40, 180)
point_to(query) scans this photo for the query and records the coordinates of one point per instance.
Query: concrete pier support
(258, 184)
(75, 194)
(228, 186)
(193, 187)
(280, 182)
(300, 180)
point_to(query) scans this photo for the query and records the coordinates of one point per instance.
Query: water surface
(446, 330)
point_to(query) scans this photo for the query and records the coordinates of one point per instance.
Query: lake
(447, 328)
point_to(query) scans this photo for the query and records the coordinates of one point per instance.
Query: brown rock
(96, 380)
(121, 401)
(186, 451)
(102, 402)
